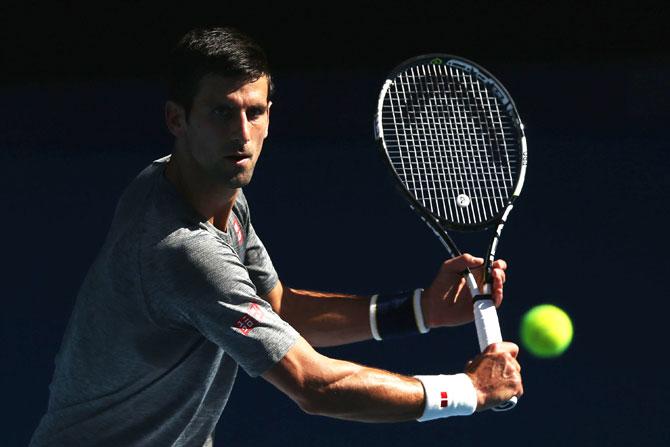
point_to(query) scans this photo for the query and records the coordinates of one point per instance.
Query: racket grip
(488, 332)
(486, 322)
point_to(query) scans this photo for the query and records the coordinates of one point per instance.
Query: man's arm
(339, 389)
(324, 319)
(331, 319)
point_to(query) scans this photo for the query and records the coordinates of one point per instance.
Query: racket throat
(477, 294)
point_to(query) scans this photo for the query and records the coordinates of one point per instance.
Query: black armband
(396, 315)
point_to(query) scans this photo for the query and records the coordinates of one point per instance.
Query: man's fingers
(499, 278)
(499, 264)
(499, 275)
(460, 263)
(496, 374)
(504, 346)
(466, 260)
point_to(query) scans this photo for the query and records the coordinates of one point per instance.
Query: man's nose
(241, 128)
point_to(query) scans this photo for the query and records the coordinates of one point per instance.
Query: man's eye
(254, 113)
(221, 112)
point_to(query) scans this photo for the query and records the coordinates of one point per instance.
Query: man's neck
(213, 202)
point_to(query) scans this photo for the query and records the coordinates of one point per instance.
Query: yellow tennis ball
(546, 331)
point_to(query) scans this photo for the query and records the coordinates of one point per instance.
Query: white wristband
(373, 318)
(418, 312)
(447, 396)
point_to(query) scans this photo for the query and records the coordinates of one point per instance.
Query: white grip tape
(486, 321)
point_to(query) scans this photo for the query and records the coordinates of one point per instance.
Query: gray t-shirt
(167, 311)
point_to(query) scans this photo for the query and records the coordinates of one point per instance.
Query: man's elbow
(313, 396)
(312, 399)
(313, 381)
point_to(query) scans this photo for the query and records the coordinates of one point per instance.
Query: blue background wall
(588, 233)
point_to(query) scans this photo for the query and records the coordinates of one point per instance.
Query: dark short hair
(221, 51)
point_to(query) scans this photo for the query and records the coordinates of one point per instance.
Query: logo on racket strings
(462, 200)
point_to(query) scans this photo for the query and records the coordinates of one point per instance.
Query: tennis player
(183, 291)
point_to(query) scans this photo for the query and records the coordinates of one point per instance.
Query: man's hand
(447, 302)
(496, 375)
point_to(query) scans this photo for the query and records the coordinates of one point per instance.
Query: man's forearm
(345, 390)
(326, 319)
(339, 389)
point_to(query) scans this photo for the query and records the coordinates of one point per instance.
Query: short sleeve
(258, 263)
(194, 280)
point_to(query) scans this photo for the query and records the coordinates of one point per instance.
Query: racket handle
(488, 332)
(486, 322)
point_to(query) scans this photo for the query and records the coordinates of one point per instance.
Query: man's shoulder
(154, 168)
(190, 243)
(189, 254)
(148, 212)
(141, 186)
(187, 238)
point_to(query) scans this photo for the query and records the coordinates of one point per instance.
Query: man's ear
(175, 118)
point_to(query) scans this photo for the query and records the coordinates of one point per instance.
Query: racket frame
(486, 319)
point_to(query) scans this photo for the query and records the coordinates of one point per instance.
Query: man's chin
(238, 178)
(239, 181)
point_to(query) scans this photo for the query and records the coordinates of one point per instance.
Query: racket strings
(450, 142)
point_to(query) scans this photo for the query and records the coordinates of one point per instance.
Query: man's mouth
(239, 159)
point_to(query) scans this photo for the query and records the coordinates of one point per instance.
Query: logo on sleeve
(249, 320)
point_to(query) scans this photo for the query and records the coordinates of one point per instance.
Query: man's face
(226, 128)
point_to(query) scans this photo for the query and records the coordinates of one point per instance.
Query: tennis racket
(452, 137)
